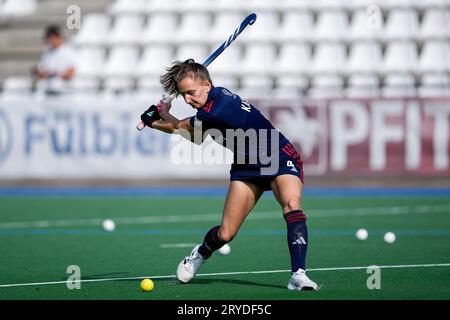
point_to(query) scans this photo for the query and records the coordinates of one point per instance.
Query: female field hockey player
(251, 174)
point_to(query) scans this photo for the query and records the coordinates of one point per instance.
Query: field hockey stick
(251, 18)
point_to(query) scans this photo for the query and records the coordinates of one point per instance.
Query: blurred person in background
(57, 64)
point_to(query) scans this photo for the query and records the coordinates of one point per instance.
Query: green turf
(42, 254)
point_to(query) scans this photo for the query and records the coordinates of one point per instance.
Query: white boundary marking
(177, 245)
(262, 215)
(230, 273)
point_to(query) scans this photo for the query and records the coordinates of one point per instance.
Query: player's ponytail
(180, 70)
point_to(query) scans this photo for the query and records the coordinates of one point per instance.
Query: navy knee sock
(297, 237)
(211, 243)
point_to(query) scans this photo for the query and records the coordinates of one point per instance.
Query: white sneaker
(299, 281)
(188, 268)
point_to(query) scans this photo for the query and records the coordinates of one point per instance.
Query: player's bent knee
(291, 205)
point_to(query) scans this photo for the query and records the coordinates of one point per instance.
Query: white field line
(404, 266)
(262, 215)
(177, 245)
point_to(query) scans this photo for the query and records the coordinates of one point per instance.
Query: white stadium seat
(259, 58)
(399, 85)
(122, 61)
(192, 51)
(126, 30)
(402, 4)
(16, 8)
(149, 82)
(435, 24)
(261, 5)
(401, 57)
(127, 6)
(291, 5)
(229, 82)
(229, 62)
(294, 58)
(332, 25)
(224, 24)
(327, 86)
(253, 87)
(363, 86)
(265, 29)
(435, 56)
(16, 88)
(17, 84)
(160, 28)
(197, 5)
(365, 57)
(155, 59)
(402, 24)
(297, 25)
(227, 5)
(90, 62)
(149, 89)
(290, 86)
(94, 29)
(435, 3)
(116, 87)
(364, 4)
(367, 24)
(435, 85)
(331, 4)
(157, 6)
(83, 88)
(80, 84)
(330, 58)
(194, 27)
(118, 84)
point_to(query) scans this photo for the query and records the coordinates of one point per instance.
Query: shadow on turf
(240, 282)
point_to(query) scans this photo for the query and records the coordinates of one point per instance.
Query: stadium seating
(399, 85)
(94, 31)
(435, 56)
(330, 58)
(122, 61)
(297, 26)
(193, 28)
(401, 56)
(365, 57)
(293, 59)
(159, 29)
(17, 8)
(154, 59)
(435, 24)
(435, 85)
(90, 61)
(332, 25)
(363, 86)
(16, 88)
(126, 29)
(357, 46)
(327, 86)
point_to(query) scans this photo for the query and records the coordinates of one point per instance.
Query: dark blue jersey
(237, 125)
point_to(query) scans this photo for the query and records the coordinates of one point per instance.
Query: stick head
(251, 18)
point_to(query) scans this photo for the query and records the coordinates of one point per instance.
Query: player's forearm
(167, 126)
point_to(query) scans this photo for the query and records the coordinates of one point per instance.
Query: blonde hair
(180, 70)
